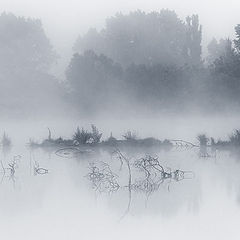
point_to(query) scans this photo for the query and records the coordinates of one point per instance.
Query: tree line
(137, 61)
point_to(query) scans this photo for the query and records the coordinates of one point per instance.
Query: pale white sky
(64, 20)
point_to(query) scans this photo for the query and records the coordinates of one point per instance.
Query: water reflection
(142, 178)
(130, 183)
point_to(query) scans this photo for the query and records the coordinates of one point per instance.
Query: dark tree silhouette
(146, 38)
(24, 45)
(94, 79)
(194, 39)
(26, 57)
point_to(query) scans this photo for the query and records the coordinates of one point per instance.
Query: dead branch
(39, 170)
(102, 178)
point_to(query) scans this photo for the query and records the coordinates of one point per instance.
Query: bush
(129, 135)
(203, 139)
(96, 135)
(82, 136)
(235, 138)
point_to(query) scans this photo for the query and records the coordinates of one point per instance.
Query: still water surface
(62, 203)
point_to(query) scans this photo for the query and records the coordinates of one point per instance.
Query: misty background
(151, 81)
(106, 57)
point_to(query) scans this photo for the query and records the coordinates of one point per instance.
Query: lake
(64, 202)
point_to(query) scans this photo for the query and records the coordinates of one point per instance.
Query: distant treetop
(24, 44)
(146, 38)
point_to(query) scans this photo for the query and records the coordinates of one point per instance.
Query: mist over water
(119, 121)
(63, 204)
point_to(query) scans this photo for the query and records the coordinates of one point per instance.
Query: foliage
(194, 39)
(98, 83)
(203, 139)
(92, 79)
(96, 135)
(217, 49)
(138, 61)
(143, 60)
(226, 55)
(146, 38)
(82, 136)
(26, 59)
(24, 45)
(237, 40)
(130, 135)
(225, 74)
(235, 138)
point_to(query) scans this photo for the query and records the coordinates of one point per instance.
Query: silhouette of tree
(93, 79)
(194, 39)
(24, 46)
(237, 40)
(26, 57)
(146, 38)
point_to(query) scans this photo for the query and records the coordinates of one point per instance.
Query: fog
(63, 204)
(65, 20)
(119, 119)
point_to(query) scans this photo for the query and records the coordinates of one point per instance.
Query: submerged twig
(102, 178)
(39, 170)
(11, 169)
(121, 157)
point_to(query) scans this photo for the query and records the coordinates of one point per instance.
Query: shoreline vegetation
(85, 139)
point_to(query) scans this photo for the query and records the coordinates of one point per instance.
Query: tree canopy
(26, 56)
(24, 45)
(146, 38)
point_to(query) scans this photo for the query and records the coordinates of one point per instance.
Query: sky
(64, 20)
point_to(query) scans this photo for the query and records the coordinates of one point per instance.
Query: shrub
(235, 138)
(82, 136)
(203, 140)
(129, 135)
(96, 135)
